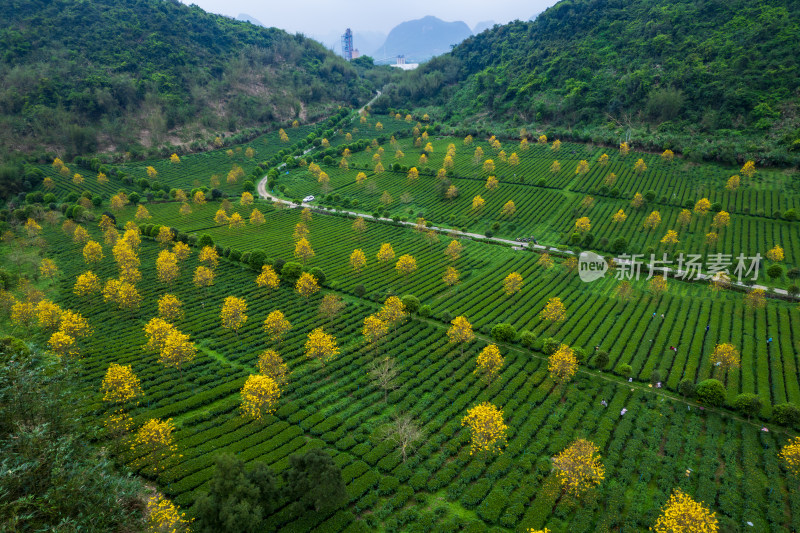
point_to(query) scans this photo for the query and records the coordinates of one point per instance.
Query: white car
(308, 199)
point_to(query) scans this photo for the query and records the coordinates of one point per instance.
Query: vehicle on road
(308, 199)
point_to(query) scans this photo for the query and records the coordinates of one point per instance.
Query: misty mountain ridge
(421, 39)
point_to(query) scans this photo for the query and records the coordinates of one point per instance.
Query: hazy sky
(323, 17)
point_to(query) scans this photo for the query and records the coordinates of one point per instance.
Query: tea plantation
(641, 351)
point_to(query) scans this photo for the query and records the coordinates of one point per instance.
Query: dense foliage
(687, 69)
(84, 76)
(52, 479)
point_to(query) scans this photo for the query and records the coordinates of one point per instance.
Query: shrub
(774, 271)
(257, 259)
(711, 392)
(550, 345)
(205, 240)
(277, 265)
(527, 338)
(13, 347)
(503, 332)
(446, 316)
(619, 245)
(425, 311)
(748, 404)
(580, 354)
(790, 214)
(359, 290)
(319, 274)
(600, 359)
(687, 388)
(411, 303)
(291, 271)
(235, 255)
(786, 414)
(623, 369)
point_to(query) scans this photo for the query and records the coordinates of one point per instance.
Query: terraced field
(651, 439)
(646, 452)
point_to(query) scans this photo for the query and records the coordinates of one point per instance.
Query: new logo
(591, 266)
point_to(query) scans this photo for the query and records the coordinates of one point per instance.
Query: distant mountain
(244, 17)
(421, 39)
(483, 25)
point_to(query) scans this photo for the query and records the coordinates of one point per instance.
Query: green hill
(674, 73)
(103, 75)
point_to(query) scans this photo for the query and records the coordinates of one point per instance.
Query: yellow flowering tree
(374, 330)
(203, 278)
(755, 299)
(478, 203)
(671, 238)
(260, 395)
(450, 277)
(276, 325)
(775, 253)
(306, 285)
(562, 364)
(790, 455)
(358, 260)
(321, 346)
(268, 278)
(725, 357)
(508, 209)
(749, 169)
(177, 350)
(164, 516)
(702, 206)
(684, 217)
(487, 428)
(619, 216)
(554, 311)
(512, 283)
(233, 314)
(652, 221)
(682, 514)
(167, 267)
(87, 283)
(579, 467)
(170, 308)
(489, 362)
(256, 218)
(406, 265)
(545, 261)
(120, 384)
(153, 445)
(271, 364)
(721, 220)
(460, 332)
(303, 250)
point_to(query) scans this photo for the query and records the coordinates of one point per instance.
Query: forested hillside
(673, 72)
(95, 75)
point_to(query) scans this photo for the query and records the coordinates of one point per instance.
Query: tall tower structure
(347, 45)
